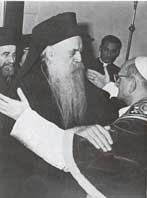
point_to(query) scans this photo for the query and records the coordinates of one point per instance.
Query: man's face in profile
(109, 52)
(66, 78)
(65, 56)
(124, 82)
(7, 60)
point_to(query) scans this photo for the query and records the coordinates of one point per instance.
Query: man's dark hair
(112, 39)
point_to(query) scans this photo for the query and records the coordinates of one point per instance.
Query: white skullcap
(141, 65)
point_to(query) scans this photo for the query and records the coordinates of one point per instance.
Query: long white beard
(67, 83)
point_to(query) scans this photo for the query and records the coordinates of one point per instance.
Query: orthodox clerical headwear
(7, 36)
(49, 32)
(141, 65)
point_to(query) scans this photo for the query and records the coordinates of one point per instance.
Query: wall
(113, 17)
(2, 6)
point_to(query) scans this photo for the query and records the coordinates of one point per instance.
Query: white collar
(104, 64)
(123, 110)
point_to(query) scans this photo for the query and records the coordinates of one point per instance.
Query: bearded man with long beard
(53, 79)
(66, 80)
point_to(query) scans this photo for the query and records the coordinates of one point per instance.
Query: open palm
(13, 108)
(98, 79)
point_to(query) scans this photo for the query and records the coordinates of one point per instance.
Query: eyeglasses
(117, 77)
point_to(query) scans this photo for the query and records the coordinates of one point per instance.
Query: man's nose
(109, 53)
(77, 56)
(11, 59)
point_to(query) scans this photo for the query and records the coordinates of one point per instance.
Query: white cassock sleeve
(52, 144)
(111, 89)
(41, 136)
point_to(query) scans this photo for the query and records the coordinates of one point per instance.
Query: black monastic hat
(49, 32)
(7, 36)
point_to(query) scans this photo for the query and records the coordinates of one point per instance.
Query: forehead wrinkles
(73, 42)
(8, 48)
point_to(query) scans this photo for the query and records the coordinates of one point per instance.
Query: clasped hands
(99, 136)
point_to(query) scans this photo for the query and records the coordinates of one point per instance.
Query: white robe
(41, 136)
(52, 144)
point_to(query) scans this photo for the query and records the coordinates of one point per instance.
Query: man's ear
(132, 85)
(48, 52)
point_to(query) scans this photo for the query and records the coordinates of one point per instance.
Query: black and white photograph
(73, 99)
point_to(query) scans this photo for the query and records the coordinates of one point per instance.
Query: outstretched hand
(99, 136)
(13, 108)
(98, 79)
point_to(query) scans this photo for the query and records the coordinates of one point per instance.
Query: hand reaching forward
(13, 108)
(99, 136)
(99, 80)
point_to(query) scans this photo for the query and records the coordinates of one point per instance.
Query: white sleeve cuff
(111, 89)
(41, 136)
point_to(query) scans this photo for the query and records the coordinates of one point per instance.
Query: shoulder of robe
(138, 110)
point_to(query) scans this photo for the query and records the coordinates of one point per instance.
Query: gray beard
(68, 89)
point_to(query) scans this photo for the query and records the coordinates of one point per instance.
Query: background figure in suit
(103, 66)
